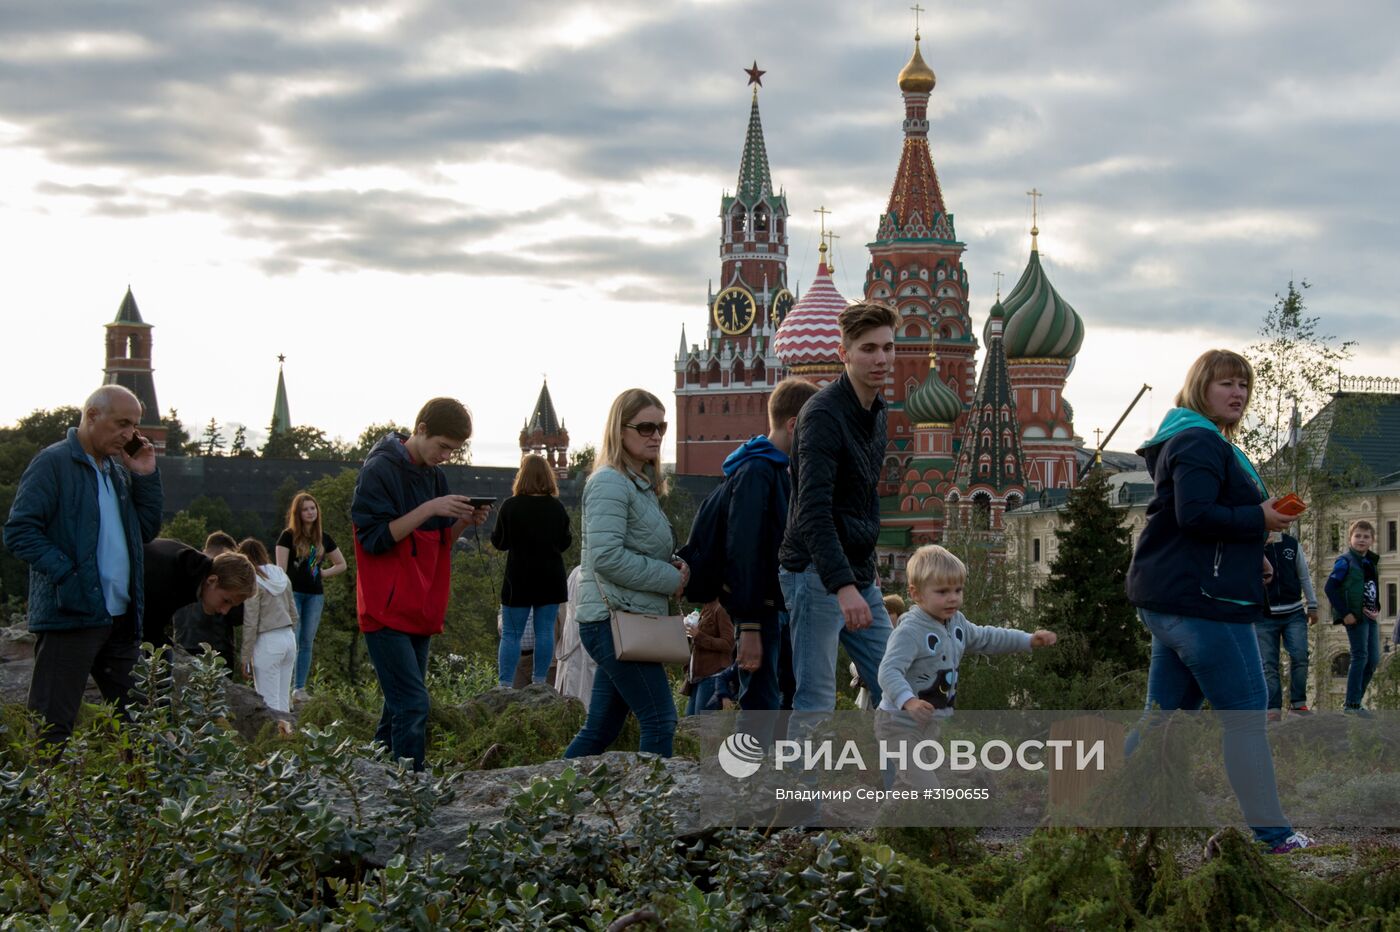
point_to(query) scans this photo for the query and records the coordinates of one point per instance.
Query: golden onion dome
(917, 76)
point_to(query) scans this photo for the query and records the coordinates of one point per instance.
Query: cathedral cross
(917, 10)
(823, 211)
(998, 277)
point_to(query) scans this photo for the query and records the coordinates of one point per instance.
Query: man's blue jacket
(53, 526)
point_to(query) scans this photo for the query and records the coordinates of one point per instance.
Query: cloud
(1178, 145)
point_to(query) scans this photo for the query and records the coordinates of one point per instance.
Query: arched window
(760, 221)
(692, 373)
(760, 375)
(736, 372)
(981, 512)
(712, 376)
(1341, 663)
(736, 222)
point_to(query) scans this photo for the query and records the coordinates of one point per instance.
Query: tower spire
(281, 412)
(755, 182)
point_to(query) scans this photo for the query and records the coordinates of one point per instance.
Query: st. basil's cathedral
(964, 447)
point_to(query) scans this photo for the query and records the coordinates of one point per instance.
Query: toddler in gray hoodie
(919, 672)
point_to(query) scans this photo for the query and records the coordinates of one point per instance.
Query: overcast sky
(417, 198)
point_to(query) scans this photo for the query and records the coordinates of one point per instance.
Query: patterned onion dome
(997, 316)
(1039, 323)
(933, 402)
(810, 335)
(917, 76)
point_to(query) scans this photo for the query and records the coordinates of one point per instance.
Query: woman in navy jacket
(1197, 578)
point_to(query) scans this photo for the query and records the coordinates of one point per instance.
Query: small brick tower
(129, 365)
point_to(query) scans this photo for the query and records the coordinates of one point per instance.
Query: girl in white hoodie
(269, 630)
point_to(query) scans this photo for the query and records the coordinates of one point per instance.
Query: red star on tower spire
(755, 75)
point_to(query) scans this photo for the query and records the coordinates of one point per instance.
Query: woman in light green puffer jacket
(628, 557)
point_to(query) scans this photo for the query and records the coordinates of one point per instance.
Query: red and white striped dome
(810, 335)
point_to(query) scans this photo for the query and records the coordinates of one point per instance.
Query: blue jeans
(759, 691)
(513, 618)
(1293, 628)
(816, 626)
(620, 686)
(700, 695)
(1365, 640)
(1197, 659)
(309, 608)
(401, 663)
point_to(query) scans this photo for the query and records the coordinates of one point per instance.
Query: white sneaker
(1292, 843)
(300, 695)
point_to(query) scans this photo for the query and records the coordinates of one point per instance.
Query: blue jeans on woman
(401, 662)
(309, 607)
(1197, 659)
(1365, 640)
(620, 686)
(513, 618)
(1293, 628)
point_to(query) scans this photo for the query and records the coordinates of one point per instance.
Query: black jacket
(834, 514)
(534, 532)
(1202, 551)
(173, 573)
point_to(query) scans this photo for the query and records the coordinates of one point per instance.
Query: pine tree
(211, 442)
(240, 441)
(1085, 602)
(176, 437)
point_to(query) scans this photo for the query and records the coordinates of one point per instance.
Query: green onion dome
(996, 323)
(933, 402)
(1038, 322)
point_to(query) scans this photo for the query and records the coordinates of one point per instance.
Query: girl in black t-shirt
(303, 551)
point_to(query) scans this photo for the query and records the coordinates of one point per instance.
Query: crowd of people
(782, 555)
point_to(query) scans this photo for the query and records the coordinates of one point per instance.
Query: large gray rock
(16, 643)
(14, 683)
(482, 797)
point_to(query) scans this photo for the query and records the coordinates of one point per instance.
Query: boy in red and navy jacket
(405, 524)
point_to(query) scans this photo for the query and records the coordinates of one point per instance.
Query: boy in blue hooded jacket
(760, 486)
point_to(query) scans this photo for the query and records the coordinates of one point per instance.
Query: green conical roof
(755, 183)
(1038, 322)
(281, 412)
(933, 402)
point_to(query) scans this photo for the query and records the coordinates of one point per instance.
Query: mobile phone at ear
(134, 445)
(481, 502)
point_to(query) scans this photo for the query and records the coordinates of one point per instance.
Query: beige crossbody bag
(646, 638)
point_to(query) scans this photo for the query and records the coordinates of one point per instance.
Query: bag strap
(606, 603)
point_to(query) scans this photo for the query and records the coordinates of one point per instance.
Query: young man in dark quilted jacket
(828, 553)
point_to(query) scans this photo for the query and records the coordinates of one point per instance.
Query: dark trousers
(64, 659)
(401, 663)
(759, 691)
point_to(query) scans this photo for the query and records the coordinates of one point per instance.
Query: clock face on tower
(782, 303)
(734, 310)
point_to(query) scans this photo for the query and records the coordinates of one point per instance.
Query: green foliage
(302, 443)
(187, 528)
(372, 435)
(211, 442)
(1085, 602)
(1295, 364)
(581, 460)
(177, 439)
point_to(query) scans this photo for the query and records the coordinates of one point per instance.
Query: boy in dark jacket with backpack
(757, 473)
(1354, 592)
(734, 542)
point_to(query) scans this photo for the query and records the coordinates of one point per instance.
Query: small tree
(211, 442)
(280, 444)
(1296, 367)
(177, 439)
(581, 461)
(1085, 602)
(372, 435)
(239, 447)
(187, 528)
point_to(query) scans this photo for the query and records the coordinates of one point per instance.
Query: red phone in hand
(1290, 505)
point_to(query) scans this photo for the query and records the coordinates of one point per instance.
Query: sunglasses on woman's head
(647, 428)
